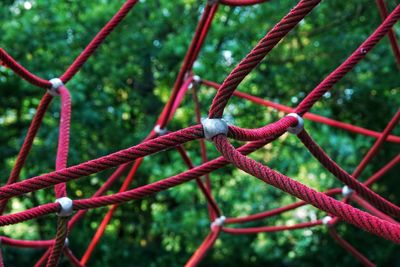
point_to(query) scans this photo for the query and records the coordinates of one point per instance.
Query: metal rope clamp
(196, 82)
(66, 206)
(326, 220)
(218, 222)
(347, 191)
(66, 242)
(213, 127)
(300, 124)
(160, 131)
(55, 84)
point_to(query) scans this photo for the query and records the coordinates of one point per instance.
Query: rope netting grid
(379, 220)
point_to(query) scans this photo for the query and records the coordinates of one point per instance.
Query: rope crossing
(380, 219)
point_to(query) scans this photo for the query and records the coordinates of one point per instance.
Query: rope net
(380, 219)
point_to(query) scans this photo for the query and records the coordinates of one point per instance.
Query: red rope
(74, 261)
(102, 163)
(383, 171)
(26, 243)
(136, 193)
(257, 54)
(392, 37)
(306, 104)
(79, 61)
(308, 115)
(349, 214)
(351, 181)
(107, 218)
(63, 138)
(190, 56)
(349, 248)
(273, 212)
(26, 146)
(371, 209)
(377, 145)
(204, 247)
(373, 150)
(21, 71)
(203, 149)
(270, 229)
(385, 227)
(242, 2)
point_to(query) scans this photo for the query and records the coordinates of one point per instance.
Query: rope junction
(379, 220)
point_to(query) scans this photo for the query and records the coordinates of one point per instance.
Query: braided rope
(381, 225)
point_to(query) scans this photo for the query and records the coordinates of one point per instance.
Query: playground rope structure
(380, 219)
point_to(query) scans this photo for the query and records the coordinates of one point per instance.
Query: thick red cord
(137, 193)
(97, 40)
(42, 259)
(63, 138)
(349, 214)
(351, 181)
(197, 41)
(26, 146)
(383, 171)
(107, 218)
(371, 209)
(306, 104)
(308, 115)
(349, 248)
(242, 2)
(261, 136)
(93, 166)
(373, 151)
(383, 11)
(252, 59)
(273, 212)
(377, 145)
(270, 229)
(26, 243)
(21, 71)
(80, 60)
(201, 252)
(210, 200)
(203, 149)
(74, 261)
(61, 163)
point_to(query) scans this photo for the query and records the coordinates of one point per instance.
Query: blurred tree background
(119, 93)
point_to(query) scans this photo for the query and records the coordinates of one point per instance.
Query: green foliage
(122, 88)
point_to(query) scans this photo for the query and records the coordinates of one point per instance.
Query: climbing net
(379, 219)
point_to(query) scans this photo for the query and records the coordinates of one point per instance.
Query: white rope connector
(160, 131)
(218, 221)
(300, 124)
(213, 127)
(55, 84)
(326, 220)
(66, 205)
(196, 81)
(66, 242)
(347, 191)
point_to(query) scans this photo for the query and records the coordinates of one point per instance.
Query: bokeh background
(119, 93)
